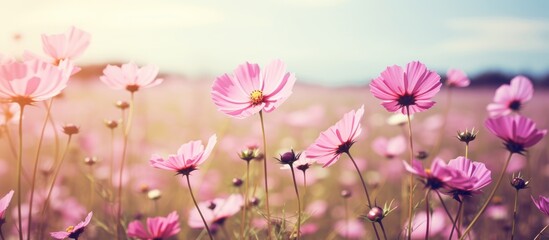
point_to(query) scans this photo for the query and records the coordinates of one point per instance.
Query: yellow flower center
(428, 171)
(70, 229)
(256, 96)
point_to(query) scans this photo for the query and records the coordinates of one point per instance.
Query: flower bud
(237, 182)
(122, 105)
(70, 129)
(112, 124)
(288, 157)
(519, 183)
(90, 161)
(375, 214)
(422, 155)
(467, 136)
(346, 194)
(154, 194)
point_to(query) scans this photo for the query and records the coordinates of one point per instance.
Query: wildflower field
(253, 153)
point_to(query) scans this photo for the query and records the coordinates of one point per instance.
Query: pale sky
(331, 42)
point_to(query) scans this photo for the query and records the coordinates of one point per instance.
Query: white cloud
(496, 34)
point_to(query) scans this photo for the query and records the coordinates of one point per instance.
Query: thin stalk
(1, 234)
(477, 217)
(92, 187)
(365, 190)
(19, 170)
(540, 232)
(446, 209)
(298, 204)
(515, 215)
(427, 208)
(265, 175)
(411, 193)
(346, 217)
(304, 190)
(458, 216)
(383, 230)
(35, 168)
(198, 208)
(446, 110)
(112, 161)
(128, 126)
(243, 221)
(466, 150)
(55, 175)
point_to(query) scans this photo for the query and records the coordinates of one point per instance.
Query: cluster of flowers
(252, 90)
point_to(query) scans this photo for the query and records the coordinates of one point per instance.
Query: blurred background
(357, 39)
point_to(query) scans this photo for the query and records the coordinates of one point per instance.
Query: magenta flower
(338, 139)
(4, 203)
(157, 227)
(32, 81)
(73, 231)
(389, 148)
(517, 132)
(510, 98)
(440, 175)
(69, 45)
(457, 78)
(406, 91)
(188, 157)
(216, 211)
(542, 204)
(476, 172)
(251, 90)
(130, 77)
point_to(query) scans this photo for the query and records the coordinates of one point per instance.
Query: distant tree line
(497, 78)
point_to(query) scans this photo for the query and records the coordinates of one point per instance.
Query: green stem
(515, 215)
(365, 190)
(19, 170)
(456, 221)
(243, 221)
(346, 217)
(304, 190)
(481, 211)
(427, 209)
(55, 175)
(127, 129)
(265, 175)
(411, 193)
(35, 168)
(298, 204)
(198, 208)
(540, 232)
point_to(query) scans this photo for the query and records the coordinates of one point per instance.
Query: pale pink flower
(73, 231)
(457, 78)
(517, 132)
(68, 45)
(32, 81)
(511, 97)
(338, 139)
(437, 224)
(389, 148)
(157, 227)
(130, 77)
(216, 211)
(188, 157)
(250, 90)
(4, 202)
(411, 90)
(350, 229)
(9, 113)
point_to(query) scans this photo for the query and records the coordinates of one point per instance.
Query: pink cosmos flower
(542, 204)
(440, 175)
(517, 132)
(32, 81)
(69, 45)
(457, 78)
(510, 98)
(250, 90)
(216, 211)
(130, 77)
(73, 231)
(409, 90)
(338, 139)
(477, 173)
(188, 157)
(157, 227)
(4, 202)
(389, 148)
